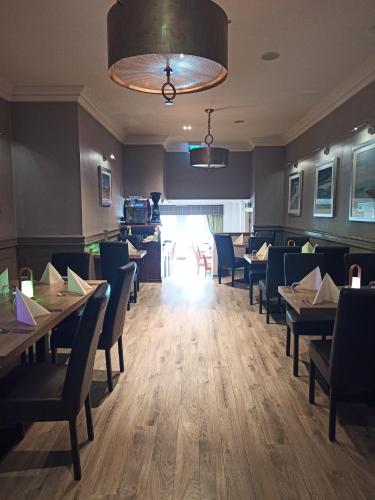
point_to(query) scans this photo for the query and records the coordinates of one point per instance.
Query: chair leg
(135, 292)
(287, 344)
(108, 363)
(89, 423)
(75, 449)
(53, 355)
(295, 355)
(233, 270)
(260, 301)
(219, 275)
(128, 306)
(31, 354)
(251, 291)
(267, 310)
(332, 416)
(23, 358)
(121, 355)
(312, 383)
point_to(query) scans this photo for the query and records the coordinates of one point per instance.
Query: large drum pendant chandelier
(209, 157)
(167, 47)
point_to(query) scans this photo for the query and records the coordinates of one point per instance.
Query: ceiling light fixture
(167, 47)
(209, 157)
(187, 127)
(270, 56)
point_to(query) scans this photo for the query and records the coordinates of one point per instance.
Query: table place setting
(262, 253)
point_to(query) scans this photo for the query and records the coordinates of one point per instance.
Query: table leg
(41, 349)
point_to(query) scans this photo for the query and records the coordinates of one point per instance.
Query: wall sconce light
(105, 158)
(293, 164)
(371, 129)
(326, 150)
(360, 126)
(112, 157)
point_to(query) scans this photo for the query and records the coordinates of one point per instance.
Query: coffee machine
(155, 217)
(136, 210)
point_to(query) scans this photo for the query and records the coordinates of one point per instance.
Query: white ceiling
(326, 52)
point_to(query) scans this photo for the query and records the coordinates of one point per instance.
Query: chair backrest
(255, 242)
(225, 251)
(79, 262)
(81, 361)
(334, 256)
(299, 265)
(275, 268)
(298, 241)
(266, 234)
(352, 364)
(113, 255)
(114, 318)
(367, 263)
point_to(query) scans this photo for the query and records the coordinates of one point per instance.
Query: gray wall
(143, 170)
(333, 131)
(184, 182)
(46, 169)
(268, 186)
(8, 230)
(94, 142)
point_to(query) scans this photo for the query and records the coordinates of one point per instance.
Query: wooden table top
(252, 259)
(14, 343)
(132, 256)
(302, 302)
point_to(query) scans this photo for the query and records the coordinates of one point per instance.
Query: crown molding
(46, 93)
(272, 140)
(6, 89)
(342, 93)
(146, 140)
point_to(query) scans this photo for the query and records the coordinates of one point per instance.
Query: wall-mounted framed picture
(325, 188)
(362, 199)
(295, 193)
(105, 186)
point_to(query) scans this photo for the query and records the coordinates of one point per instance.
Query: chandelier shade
(209, 157)
(184, 40)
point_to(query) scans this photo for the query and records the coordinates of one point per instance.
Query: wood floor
(207, 409)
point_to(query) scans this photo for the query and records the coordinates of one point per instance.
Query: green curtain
(215, 223)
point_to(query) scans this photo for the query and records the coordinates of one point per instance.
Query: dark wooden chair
(297, 266)
(79, 262)
(366, 261)
(274, 277)
(113, 326)
(347, 361)
(51, 393)
(334, 260)
(256, 271)
(226, 257)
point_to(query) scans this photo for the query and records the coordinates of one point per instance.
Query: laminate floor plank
(207, 409)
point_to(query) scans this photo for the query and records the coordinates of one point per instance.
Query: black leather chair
(79, 262)
(347, 361)
(334, 259)
(270, 235)
(226, 257)
(274, 276)
(256, 271)
(367, 263)
(298, 241)
(297, 266)
(50, 393)
(63, 336)
(113, 255)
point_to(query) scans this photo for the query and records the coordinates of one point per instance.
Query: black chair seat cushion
(301, 325)
(37, 396)
(320, 353)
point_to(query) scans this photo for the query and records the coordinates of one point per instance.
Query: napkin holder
(291, 243)
(355, 273)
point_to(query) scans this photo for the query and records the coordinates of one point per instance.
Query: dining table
(253, 259)
(302, 302)
(17, 337)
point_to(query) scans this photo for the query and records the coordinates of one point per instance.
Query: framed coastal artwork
(295, 193)
(325, 187)
(362, 199)
(105, 187)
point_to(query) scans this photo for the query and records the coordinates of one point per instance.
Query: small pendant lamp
(209, 157)
(167, 47)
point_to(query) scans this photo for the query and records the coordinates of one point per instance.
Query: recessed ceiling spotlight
(270, 56)
(186, 127)
(239, 121)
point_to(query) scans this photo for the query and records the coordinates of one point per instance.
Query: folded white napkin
(262, 251)
(149, 238)
(265, 256)
(328, 291)
(51, 276)
(239, 240)
(315, 249)
(27, 309)
(76, 284)
(4, 282)
(307, 248)
(311, 282)
(131, 248)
